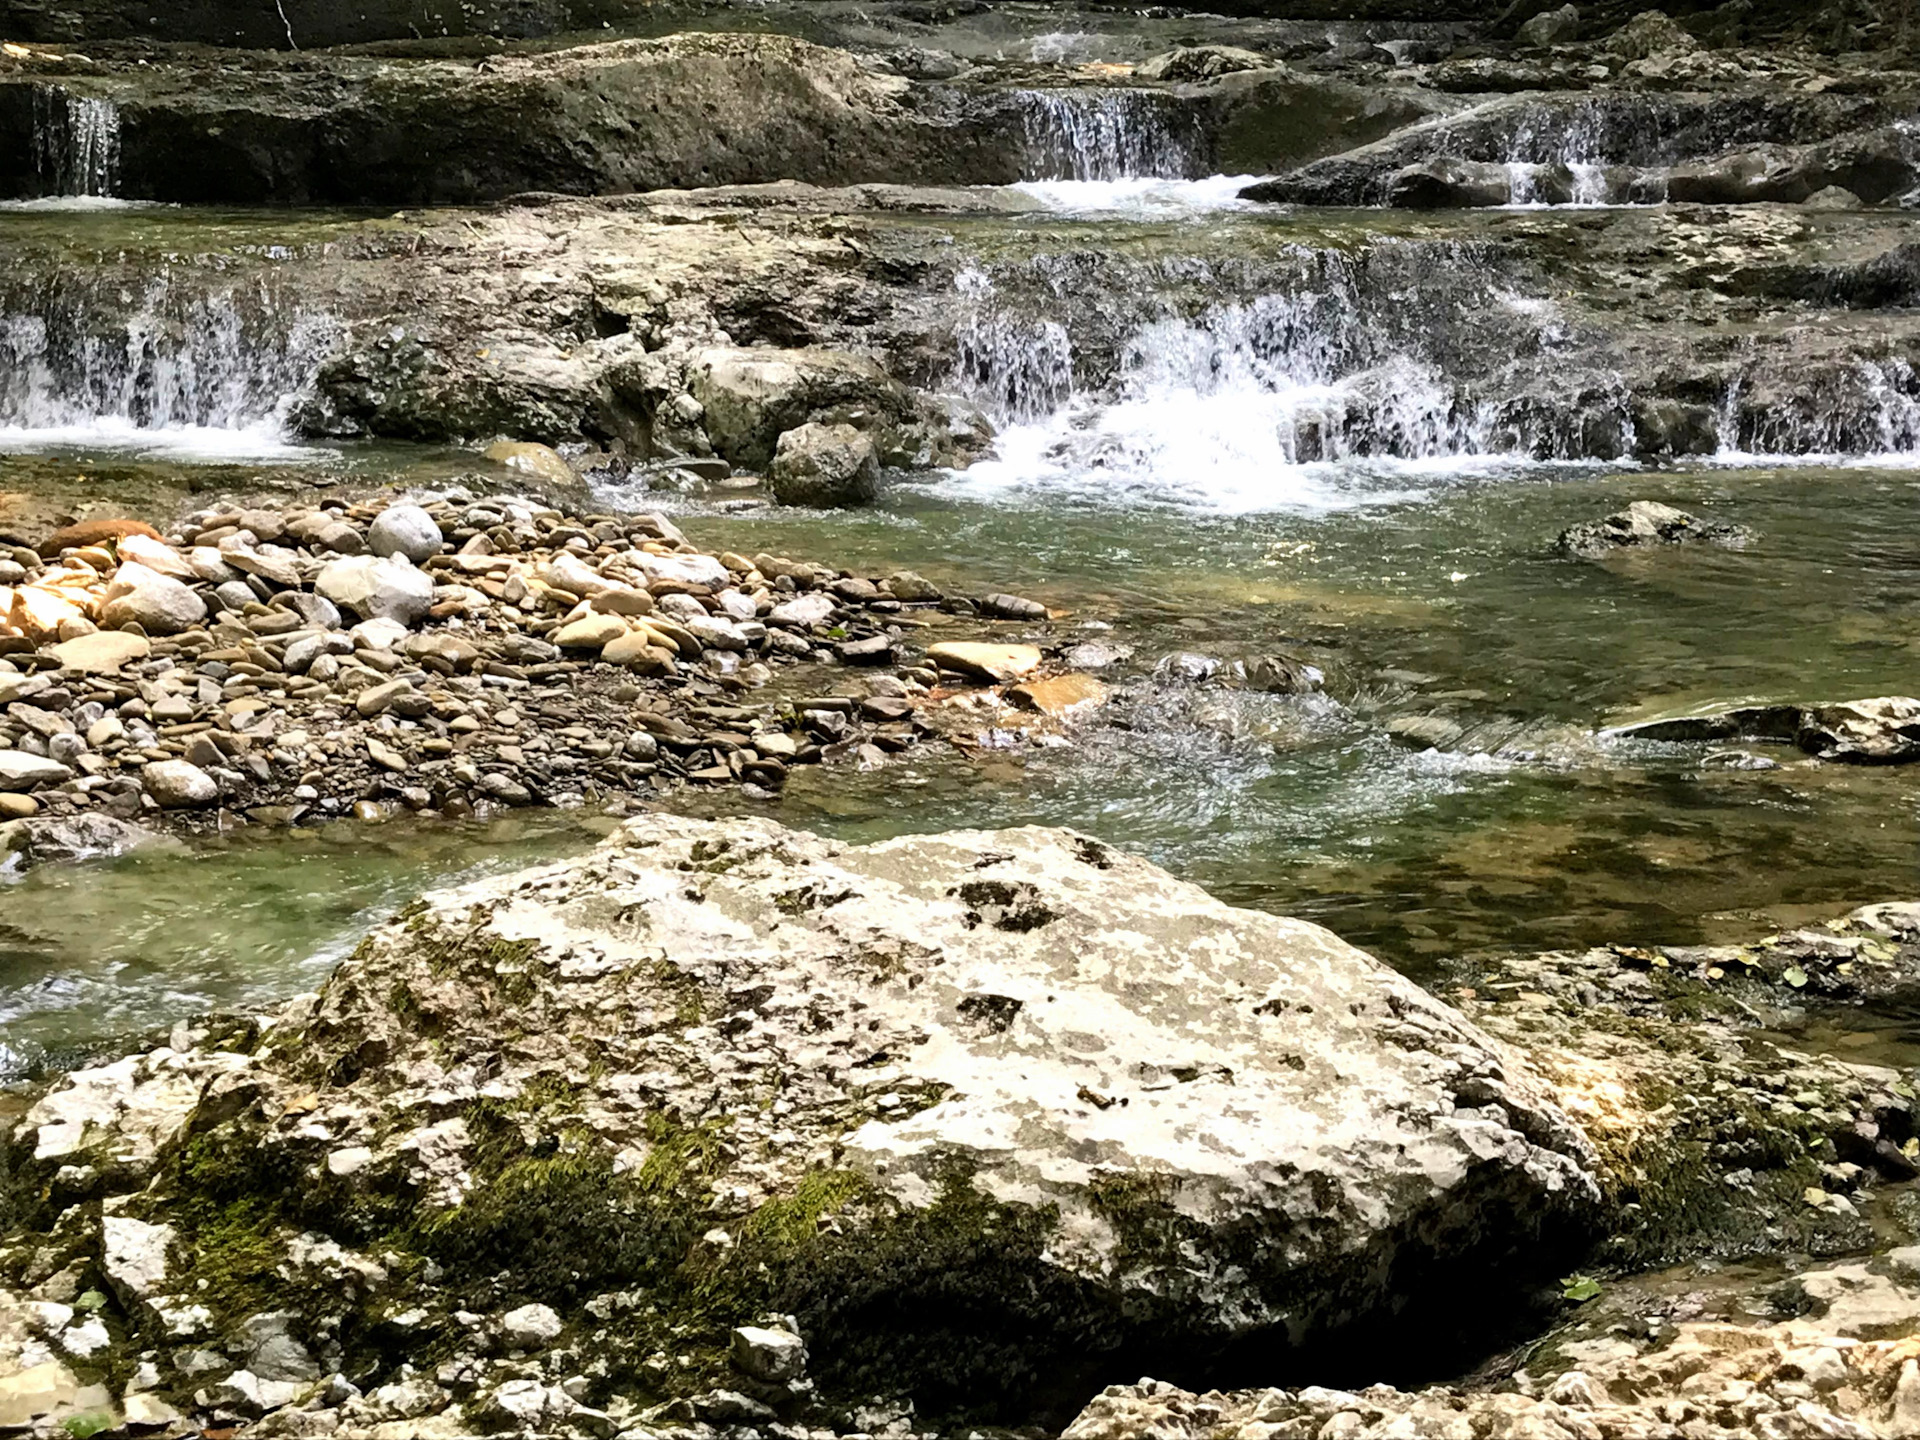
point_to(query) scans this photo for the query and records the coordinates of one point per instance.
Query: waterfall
(1242, 406)
(165, 365)
(1103, 135)
(1350, 379)
(76, 143)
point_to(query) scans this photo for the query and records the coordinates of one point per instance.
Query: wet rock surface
(1883, 731)
(1643, 523)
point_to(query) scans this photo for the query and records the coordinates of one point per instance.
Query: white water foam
(1142, 197)
(76, 205)
(262, 443)
(1247, 408)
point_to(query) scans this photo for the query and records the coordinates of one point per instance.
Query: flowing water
(1293, 465)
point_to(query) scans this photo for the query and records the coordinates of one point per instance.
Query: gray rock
(158, 603)
(1650, 35)
(753, 397)
(85, 836)
(1551, 27)
(20, 771)
(530, 1327)
(1643, 523)
(771, 1356)
(179, 785)
(377, 588)
(405, 530)
(825, 465)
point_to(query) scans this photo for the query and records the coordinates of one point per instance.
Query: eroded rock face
(984, 1111)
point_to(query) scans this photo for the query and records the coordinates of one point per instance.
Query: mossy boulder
(991, 1116)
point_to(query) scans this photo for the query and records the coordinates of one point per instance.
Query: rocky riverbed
(274, 666)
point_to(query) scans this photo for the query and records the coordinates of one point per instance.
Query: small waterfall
(84, 361)
(1014, 369)
(1104, 135)
(76, 143)
(1254, 404)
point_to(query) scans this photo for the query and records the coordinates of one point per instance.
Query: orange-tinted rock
(1060, 695)
(94, 532)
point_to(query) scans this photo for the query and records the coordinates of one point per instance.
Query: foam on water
(265, 442)
(1142, 197)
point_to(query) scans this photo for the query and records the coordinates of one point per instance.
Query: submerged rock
(1883, 731)
(1645, 522)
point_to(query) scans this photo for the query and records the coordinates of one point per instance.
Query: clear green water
(1529, 833)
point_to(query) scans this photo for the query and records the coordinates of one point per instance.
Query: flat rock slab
(985, 662)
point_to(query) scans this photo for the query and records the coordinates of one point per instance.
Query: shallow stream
(1166, 518)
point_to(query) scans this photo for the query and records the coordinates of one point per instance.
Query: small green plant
(1579, 1288)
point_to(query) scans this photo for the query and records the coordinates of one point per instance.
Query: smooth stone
(377, 588)
(637, 652)
(94, 532)
(405, 530)
(590, 632)
(179, 785)
(1060, 695)
(156, 555)
(984, 661)
(158, 604)
(542, 462)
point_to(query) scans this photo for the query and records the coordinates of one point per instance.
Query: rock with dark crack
(988, 1113)
(1881, 731)
(1645, 523)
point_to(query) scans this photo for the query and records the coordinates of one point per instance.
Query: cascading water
(166, 368)
(1317, 397)
(1355, 377)
(1103, 135)
(76, 143)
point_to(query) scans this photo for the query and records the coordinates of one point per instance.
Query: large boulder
(825, 465)
(990, 1114)
(752, 397)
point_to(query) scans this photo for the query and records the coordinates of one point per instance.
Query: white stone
(179, 785)
(21, 771)
(377, 588)
(405, 530)
(159, 604)
(134, 1254)
(530, 1327)
(156, 555)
